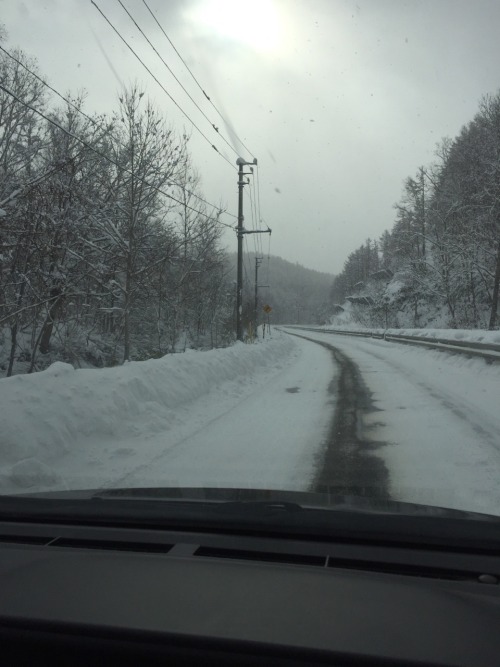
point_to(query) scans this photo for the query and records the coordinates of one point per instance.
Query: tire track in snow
(438, 415)
(350, 465)
(480, 423)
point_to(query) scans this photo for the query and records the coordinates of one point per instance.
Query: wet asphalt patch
(349, 464)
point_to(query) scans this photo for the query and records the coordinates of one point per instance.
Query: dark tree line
(444, 246)
(98, 263)
(296, 294)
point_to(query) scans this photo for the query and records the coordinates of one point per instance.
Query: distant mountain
(297, 295)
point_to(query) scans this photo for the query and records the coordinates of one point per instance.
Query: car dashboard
(84, 594)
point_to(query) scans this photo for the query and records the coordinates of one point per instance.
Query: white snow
(222, 417)
(471, 335)
(256, 416)
(440, 417)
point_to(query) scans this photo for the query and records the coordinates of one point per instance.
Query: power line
(254, 224)
(257, 215)
(258, 194)
(194, 77)
(247, 258)
(37, 180)
(257, 199)
(175, 77)
(105, 157)
(269, 261)
(161, 85)
(39, 78)
(99, 125)
(252, 214)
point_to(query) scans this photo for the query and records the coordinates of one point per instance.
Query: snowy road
(354, 414)
(268, 438)
(267, 430)
(431, 418)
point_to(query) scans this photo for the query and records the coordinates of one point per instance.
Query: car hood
(271, 498)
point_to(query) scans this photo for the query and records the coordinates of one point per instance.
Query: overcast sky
(339, 100)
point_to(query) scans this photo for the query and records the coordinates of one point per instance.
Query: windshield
(251, 246)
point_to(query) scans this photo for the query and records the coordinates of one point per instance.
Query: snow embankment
(461, 335)
(47, 414)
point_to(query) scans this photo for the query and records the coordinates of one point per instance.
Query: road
(269, 434)
(426, 424)
(358, 416)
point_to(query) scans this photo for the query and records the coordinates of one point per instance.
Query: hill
(296, 294)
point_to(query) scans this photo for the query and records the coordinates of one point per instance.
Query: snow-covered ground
(440, 417)
(459, 335)
(249, 415)
(256, 416)
(434, 319)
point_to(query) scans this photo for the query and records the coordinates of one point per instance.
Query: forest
(296, 294)
(108, 251)
(440, 262)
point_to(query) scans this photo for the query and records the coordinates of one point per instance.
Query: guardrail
(487, 351)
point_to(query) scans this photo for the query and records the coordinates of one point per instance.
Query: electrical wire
(257, 216)
(258, 197)
(268, 276)
(161, 85)
(39, 78)
(268, 280)
(246, 260)
(194, 77)
(99, 125)
(252, 219)
(108, 159)
(175, 77)
(257, 239)
(37, 180)
(261, 220)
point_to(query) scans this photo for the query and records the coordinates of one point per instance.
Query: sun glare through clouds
(257, 24)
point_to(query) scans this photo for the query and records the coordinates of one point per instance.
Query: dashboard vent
(384, 567)
(112, 545)
(403, 569)
(261, 556)
(26, 539)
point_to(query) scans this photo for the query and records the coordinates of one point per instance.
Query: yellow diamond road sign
(267, 308)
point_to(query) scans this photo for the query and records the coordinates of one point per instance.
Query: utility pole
(240, 232)
(258, 261)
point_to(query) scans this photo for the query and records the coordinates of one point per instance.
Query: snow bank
(471, 335)
(43, 415)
